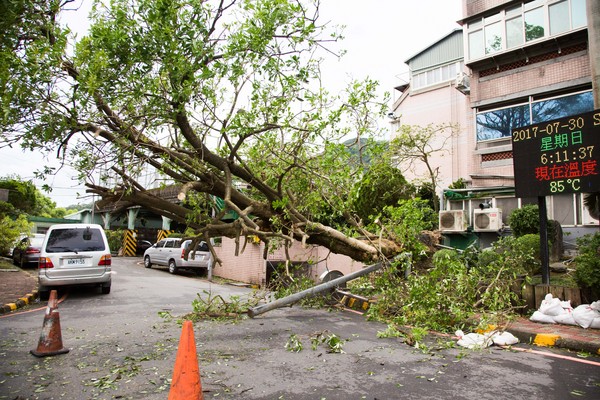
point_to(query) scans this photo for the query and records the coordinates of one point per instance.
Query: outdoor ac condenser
(487, 220)
(453, 221)
(462, 83)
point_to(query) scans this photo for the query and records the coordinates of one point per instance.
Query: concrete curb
(555, 340)
(22, 302)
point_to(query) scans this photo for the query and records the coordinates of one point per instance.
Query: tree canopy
(220, 97)
(24, 198)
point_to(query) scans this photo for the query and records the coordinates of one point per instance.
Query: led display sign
(558, 156)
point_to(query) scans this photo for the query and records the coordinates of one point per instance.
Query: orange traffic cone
(52, 303)
(186, 384)
(50, 343)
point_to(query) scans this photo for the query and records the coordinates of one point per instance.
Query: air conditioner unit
(462, 83)
(487, 220)
(453, 221)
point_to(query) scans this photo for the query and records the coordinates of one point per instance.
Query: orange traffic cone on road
(50, 343)
(52, 301)
(186, 384)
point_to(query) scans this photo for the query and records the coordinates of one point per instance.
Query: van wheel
(106, 289)
(172, 267)
(147, 262)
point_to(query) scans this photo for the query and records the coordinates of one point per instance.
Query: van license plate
(75, 261)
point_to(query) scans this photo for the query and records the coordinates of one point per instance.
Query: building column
(166, 229)
(130, 238)
(166, 223)
(106, 220)
(131, 215)
(129, 242)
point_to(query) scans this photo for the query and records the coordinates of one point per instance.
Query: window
(493, 38)
(75, 239)
(534, 24)
(499, 123)
(527, 22)
(171, 244)
(476, 46)
(514, 32)
(558, 22)
(546, 110)
(563, 209)
(436, 75)
(578, 14)
(507, 205)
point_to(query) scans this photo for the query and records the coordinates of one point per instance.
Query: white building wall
(250, 267)
(442, 104)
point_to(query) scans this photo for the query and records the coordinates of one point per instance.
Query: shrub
(587, 273)
(448, 295)
(115, 239)
(521, 254)
(526, 221)
(10, 230)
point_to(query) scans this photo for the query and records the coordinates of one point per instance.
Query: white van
(74, 254)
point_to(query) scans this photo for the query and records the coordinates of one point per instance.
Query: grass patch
(557, 279)
(5, 264)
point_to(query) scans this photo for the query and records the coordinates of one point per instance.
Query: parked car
(27, 250)
(74, 254)
(170, 252)
(142, 246)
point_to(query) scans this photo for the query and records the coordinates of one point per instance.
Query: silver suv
(171, 252)
(74, 254)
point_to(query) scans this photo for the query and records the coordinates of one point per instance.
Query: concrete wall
(530, 79)
(250, 267)
(474, 7)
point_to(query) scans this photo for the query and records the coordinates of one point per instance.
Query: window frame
(530, 101)
(477, 27)
(421, 80)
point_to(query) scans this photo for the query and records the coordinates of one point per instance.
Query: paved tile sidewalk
(17, 288)
(570, 337)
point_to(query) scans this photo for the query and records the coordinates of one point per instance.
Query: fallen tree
(223, 98)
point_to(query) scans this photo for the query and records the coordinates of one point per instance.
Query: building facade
(525, 62)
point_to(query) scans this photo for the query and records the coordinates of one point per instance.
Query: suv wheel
(172, 267)
(44, 293)
(106, 289)
(147, 262)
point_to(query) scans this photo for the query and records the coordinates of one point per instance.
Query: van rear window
(75, 240)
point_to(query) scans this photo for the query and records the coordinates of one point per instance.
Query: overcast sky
(379, 36)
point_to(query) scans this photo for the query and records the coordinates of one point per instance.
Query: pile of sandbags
(554, 311)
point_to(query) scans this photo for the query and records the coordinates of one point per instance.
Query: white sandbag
(566, 305)
(595, 323)
(595, 305)
(584, 315)
(565, 318)
(538, 316)
(504, 339)
(551, 306)
(473, 340)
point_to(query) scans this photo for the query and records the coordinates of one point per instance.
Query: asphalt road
(120, 348)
